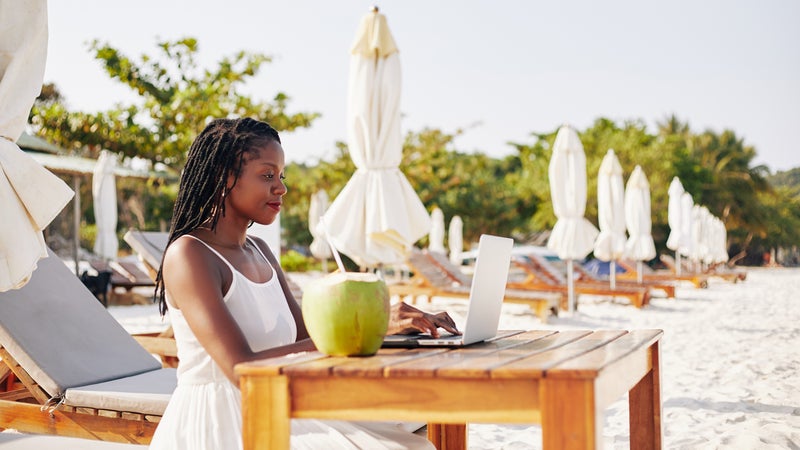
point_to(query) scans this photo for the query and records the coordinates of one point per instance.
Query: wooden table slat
(537, 364)
(589, 365)
(481, 366)
(273, 366)
(426, 367)
(374, 366)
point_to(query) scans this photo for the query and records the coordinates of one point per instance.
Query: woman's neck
(224, 236)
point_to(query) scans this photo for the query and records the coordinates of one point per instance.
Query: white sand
(730, 362)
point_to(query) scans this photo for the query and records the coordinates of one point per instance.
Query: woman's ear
(229, 182)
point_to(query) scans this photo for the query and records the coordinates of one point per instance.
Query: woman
(228, 299)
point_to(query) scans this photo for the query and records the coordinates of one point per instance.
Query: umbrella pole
(612, 267)
(678, 262)
(639, 267)
(570, 287)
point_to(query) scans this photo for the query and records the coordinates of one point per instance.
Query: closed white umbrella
(572, 236)
(319, 245)
(674, 210)
(104, 195)
(455, 239)
(687, 245)
(377, 217)
(436, 235)
(640, 245)
(30, 195)
(698, 235)
(721, 239)
(713, 239)
(707, 238)
(610, 243)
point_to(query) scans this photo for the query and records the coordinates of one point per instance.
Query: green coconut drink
(347, 314)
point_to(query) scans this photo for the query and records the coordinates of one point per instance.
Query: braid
(217, 152)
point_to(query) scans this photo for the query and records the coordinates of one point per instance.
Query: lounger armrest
(161, 346)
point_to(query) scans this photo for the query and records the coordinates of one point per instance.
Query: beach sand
(730, 362)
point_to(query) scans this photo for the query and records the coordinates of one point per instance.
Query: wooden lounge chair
(76, 371)
(697, 279)
(434, 275)
(542, 275)
(124, 274)
(665, 286)
(721, 271)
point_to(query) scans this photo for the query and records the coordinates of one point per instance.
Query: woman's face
(258, 193)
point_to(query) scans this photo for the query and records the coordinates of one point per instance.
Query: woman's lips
(275, 205)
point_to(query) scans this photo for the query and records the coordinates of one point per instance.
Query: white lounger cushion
(61, 334)
(17, 441)
(146, 393)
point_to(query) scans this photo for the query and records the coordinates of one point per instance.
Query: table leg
(265, 413)
(448, 436)
(570, 419)
(644, 402)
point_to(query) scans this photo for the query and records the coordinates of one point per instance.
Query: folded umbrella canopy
(676, 237)
(30, 195)
(610, 243)
(377, 217)
(720, 241)
(455, 239)
(436, 235)
(640, 245)
(104, 193)
(687, 246)
(572, 236)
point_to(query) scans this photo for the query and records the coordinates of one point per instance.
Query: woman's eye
(271, 176)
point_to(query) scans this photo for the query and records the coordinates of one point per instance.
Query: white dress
(204, 412)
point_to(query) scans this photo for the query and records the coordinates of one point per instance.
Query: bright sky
(499, 69)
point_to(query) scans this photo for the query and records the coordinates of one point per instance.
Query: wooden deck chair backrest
(150, 246)
(424, 267)
(540, 268)
(444, 263)
(62, 336)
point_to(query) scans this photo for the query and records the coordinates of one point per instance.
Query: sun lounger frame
(70, 369)
(434, 275)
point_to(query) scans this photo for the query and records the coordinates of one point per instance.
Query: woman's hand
(406, 319)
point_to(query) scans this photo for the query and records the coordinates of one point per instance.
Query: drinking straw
(330, 242)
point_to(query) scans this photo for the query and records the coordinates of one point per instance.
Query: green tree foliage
(177, 99)
(715, 168)
(511, 196)
(473, 186)
(507, 196)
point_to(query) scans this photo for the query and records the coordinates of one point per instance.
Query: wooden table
(562, 380)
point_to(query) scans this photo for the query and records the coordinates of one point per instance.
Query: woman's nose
(280, 188)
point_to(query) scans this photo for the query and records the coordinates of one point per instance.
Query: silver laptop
(485, 299)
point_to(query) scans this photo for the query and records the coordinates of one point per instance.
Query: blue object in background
(601, 268)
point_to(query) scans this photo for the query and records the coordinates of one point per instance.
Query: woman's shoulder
(189, 250)
(261, 244)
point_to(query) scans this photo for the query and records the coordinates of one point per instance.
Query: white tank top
(260, 310)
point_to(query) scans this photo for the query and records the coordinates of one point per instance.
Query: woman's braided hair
(218, 151)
